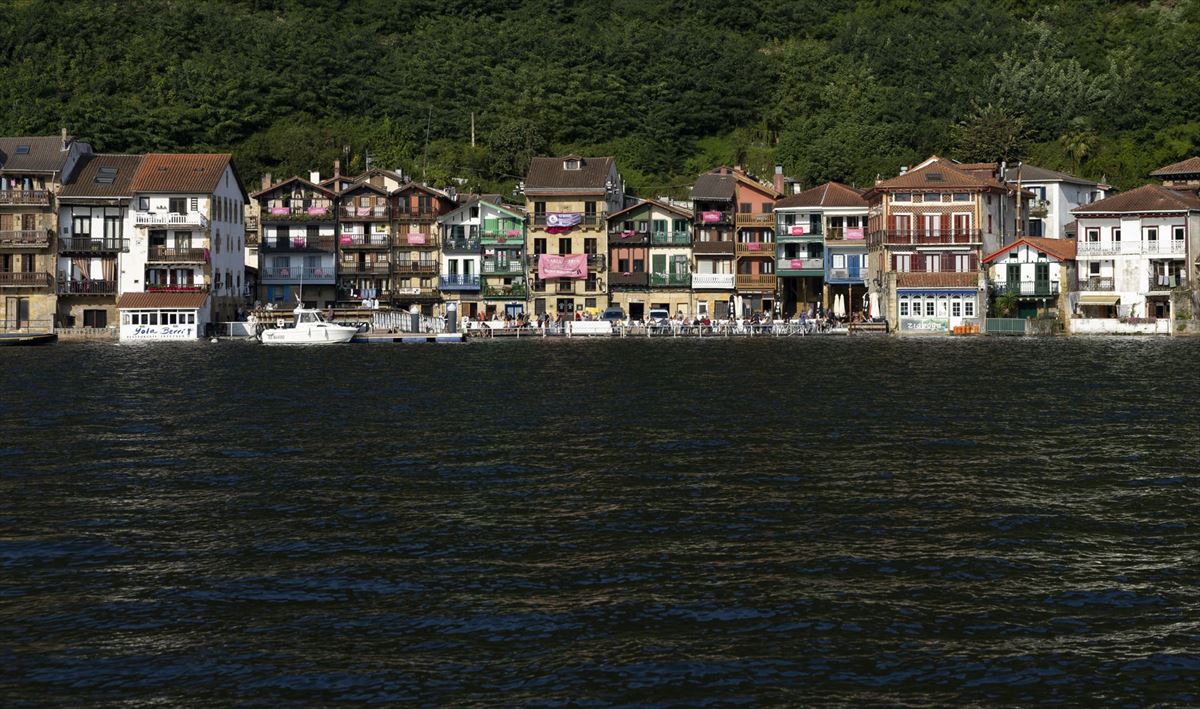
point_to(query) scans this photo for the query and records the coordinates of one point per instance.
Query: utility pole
(472, 129)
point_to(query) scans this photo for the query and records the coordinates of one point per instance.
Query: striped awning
(1099, 299)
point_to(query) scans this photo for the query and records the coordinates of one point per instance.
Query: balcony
(364, 241)
(628, 238)
(170, 254)
(756, 221)
(1037, 208)
(87, 287)
(850, 235)
(169, 219)
(364, 268)
(504, 236)
(756, 248)
(1165, 282)
(714, 281)
(505, 292)
(628, 280)
(27, 279)
(669, 280)
(596, 262)
(415, 268)
(844, 275)
(1026, 288)
(706, 217)
(675, 238)
(417, 239)
(713, 248)
(1167, 247)
(461, 245)
(457, 281)
(1096, 283)
(25, 239)
(756, 281)
(586, 221)
(351, 213)
(920, 237)
(298, 214)
(503, 266)
(805, 266)
(88, 245)
(298, 244)
(423, 215)
(176, 288)
(797, 233)
(24, 198)
(294, 274)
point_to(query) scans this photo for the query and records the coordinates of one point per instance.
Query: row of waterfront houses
(163, 244)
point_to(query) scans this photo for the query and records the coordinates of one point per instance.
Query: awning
(1099, 299)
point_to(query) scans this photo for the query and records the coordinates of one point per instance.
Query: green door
(658, 268)
(1014, 278)
(1041, 278)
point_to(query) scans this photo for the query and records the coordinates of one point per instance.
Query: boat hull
(332, 335)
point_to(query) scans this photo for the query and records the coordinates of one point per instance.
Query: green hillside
(832, 89)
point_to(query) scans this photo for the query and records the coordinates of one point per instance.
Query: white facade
(1048, 212)
(162, 324)
(1035, 271)
(1137, 258)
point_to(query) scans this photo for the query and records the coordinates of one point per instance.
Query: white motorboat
(308, 327)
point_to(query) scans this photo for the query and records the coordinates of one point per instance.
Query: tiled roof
(180, 173)
(1191, 166)
(116, 180)
(410, 185)
(830, 194)
(937, 173)
(1033, 173)
(945, 279)
(39, 153)
(1147, 198)
(162, 300)
(311, 185)
(652, 203)
(549, 173)
(1061, 249)
(711, 186)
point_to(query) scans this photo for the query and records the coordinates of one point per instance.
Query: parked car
(659, 317)
(612, 314)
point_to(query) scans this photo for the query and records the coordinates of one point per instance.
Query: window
(564, 246)
(1116, 234)
(744, 207)
(929, 306)
(81, 226)
(1177, 233)
(969, 308)
(962, 197)
(962, 263)
(143, 203)
(570, 164)
(95, 318)
(1092, 235)
(839, 260)
(766, 207)
(176, 205)
(902, 197)
(903, 263)
(539, 246)
(956, 308)
(589, 210)
(1094, 268)
(589, 246)
(933, 197)
(903, 307)
(539, 208)
(1152, 234)
(589, 302)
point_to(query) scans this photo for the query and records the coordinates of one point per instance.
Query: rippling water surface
(805, 521)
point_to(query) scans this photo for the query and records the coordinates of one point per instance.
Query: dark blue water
(804, 521)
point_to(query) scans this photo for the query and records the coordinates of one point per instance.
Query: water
(805, 521)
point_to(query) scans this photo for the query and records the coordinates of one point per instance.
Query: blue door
(852, 261)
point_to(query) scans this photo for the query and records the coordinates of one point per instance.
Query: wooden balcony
(350, 213)
(87, 287)
(628, 238)
(24, 198)
(415, 215)
(515, 291)
(713, 248)
(25, 279)
(415, 268)
(452, 245)
(295, 274)
(417, 240)
(628, 280)
(170, 254)
(298, 214)
(195, 220)
(298, 244)
(367, 268)
(176, 288)
(25, 239)
(88, 245)
(754, 221)
(364, 241)
(756, 248)
(756, 281)
(921, 237)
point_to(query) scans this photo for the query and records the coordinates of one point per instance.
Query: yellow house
(568, 200)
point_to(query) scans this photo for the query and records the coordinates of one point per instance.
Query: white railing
(1118, 248)
(169, 219)
(712, 280)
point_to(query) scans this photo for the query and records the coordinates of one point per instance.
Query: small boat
(18, 339)
(308, 327)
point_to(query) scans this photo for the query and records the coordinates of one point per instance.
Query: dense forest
(832, 89)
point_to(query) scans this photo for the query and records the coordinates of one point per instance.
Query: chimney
(314, 176)
(64, 138)
(337, 168)
(904, 169)
(779, 179)
(266, 180)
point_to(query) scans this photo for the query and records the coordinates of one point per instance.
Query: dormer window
(571, 164)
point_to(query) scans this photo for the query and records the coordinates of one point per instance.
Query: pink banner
(710, 217)
(363, 212)
(569, 266)
(797, 263)
(279, 210)
(754, 246)
(416, 237)
(347, 239)
(317, 211)
(798, 230)
(513, 232)
(855, 233)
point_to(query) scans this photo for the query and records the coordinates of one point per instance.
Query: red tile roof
(311, 185)
(652, 203)
(947, 279)
(180, 173)
(937, 173)
(1061, 249)
(1147, 198)
(549, 173)
(830, 194)
(1191, 166)
(185, 301)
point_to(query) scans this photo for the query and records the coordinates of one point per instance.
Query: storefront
(163, 317)
(925, 311)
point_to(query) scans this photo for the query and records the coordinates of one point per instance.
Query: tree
(1079, 141)
(991, 134)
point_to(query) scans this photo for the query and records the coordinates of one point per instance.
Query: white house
(1134, 249)
(1038, 271)
(461, 256)
(1054, 195)
(188, 234)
